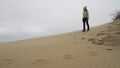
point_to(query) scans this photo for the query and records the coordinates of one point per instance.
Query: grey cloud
(21, 19)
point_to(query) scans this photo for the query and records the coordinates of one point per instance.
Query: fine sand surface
(98, 48)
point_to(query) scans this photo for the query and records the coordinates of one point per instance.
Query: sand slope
(98, 48)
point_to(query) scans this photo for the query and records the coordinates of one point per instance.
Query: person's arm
(88, 14)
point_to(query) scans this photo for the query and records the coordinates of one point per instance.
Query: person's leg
(88, 27)
(83, 24)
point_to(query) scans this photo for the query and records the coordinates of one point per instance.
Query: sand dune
(98, 48)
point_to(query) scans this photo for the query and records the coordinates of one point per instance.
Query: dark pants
(85, 22)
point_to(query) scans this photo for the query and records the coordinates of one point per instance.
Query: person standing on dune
(85, 19)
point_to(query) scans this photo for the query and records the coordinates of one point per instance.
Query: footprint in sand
(75, 42)
(40, 61)
(117, 24)
(109, 36)
(102, 31)
(68, 57)
(112, 41)
(6, 61)
(101, 34)
(109, 27)
(96, 41)
(89, 47)
(110, 30)
(117, 33)
(83, 38)
(109, 49)
(92, 53)
(91, 39)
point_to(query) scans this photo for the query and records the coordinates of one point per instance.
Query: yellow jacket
(85, 14)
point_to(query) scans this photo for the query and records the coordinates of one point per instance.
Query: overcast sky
(22, 19)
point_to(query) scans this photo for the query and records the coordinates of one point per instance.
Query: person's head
(85, 8)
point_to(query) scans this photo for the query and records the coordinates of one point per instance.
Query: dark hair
(85, 9)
